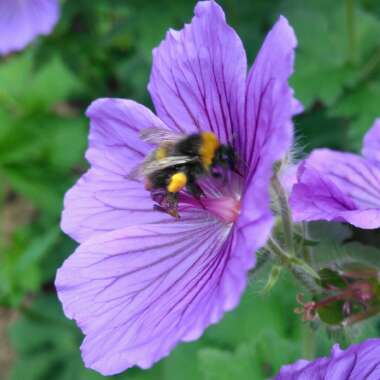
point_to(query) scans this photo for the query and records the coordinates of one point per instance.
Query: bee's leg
(196, 191)
(159, 208)
(158, 195)
(169, 206)
(171, 203)
(165, 202)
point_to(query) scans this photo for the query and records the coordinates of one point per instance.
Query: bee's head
(225, 156)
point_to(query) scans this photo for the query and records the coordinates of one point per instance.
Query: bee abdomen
(208, 148)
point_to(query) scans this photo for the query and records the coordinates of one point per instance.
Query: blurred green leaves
(38, 145)
(36, 89)
(20, 270)
(51, 348)
(338, 63)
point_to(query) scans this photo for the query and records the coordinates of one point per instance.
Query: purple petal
(23, 20)
(138, 291)
(371, 146)
(359, 362)
(198, 75)
(266, 132)
(104, 199)
(114, 142)
(337, 186)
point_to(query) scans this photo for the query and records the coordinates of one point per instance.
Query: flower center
(226, 208)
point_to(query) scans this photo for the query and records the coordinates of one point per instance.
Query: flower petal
(371, 145)
(198, 75)
(266, 131)
(337, 186)
(359, 362)
(22, 20)
(104, 199)
(114, 141)
(138, 291)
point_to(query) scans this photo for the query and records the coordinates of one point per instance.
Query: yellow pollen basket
(209, 145)
(177, 182)
(161, 153)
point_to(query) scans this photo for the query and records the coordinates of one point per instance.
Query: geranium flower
(359, 362)
(142, 281)
(337, 186)
(23, 20)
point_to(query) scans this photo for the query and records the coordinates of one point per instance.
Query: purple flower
(142, 281)
(343, 187)
(23, 20)
(359, 362)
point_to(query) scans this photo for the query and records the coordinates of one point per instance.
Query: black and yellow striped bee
(178, 162)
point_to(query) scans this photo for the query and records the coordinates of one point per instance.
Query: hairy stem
(285, 212)
(300, 270)
(306, 251)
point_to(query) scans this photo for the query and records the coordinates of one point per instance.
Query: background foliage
(103, 48)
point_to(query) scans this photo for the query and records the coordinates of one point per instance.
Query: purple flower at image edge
(338, 186)
(142, 281)
(23, 20)
(358, 362)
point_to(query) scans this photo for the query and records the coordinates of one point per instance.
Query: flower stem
(361, 316)
(300, 270)
(277, 251)
(285, 212)
(351, 30)
(306, 251)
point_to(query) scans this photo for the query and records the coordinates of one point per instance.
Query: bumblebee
(178, 162)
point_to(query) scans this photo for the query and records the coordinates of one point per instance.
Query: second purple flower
(340, 186)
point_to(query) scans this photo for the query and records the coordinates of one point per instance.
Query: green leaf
(35, 89)
(68, 143)
(352, 256)
(329, 231)
(182, 360)
(217, 364)
(20, 270)
(257, 312)
(323, 67)
(45, 189)
(332, 314)
(330, 278)
(362, 106)
(260, 358)
(39, 247)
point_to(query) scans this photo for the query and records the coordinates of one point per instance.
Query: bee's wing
(137, 172)
(159, 135)
(152, 166)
